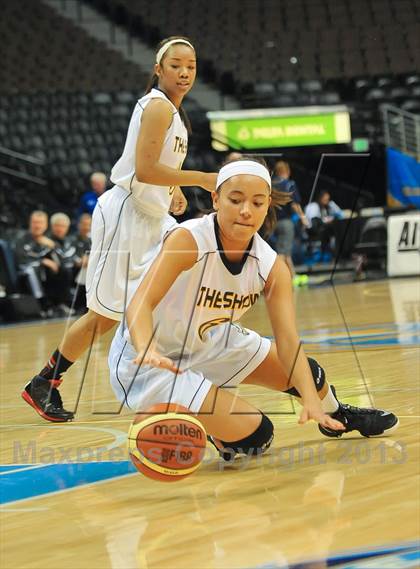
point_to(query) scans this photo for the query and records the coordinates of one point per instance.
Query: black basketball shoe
(42, 394)
(369, 422)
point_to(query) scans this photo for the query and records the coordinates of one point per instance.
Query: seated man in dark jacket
(81, 240)
(34, 245)
(65, 250)
(35, 257)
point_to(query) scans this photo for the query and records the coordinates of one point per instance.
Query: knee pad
(254, 444)
(318, 375)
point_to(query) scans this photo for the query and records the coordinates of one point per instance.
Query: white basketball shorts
(123, 242)
(217, 364)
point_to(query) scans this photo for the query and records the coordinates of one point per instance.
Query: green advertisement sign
(279, 131)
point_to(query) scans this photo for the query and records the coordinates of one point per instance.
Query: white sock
(329, 403)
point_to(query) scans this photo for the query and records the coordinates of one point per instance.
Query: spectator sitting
(321, 215)
(88, 199)
(284, 232)
(35, 257)
(60, 291)
(64, 247)
(81, 240)
(33, 245)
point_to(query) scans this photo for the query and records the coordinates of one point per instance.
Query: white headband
(167, 45)
(243, 167)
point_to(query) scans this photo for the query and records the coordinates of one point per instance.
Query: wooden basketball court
(70, 498)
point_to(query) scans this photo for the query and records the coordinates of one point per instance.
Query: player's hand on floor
(155, 359)
(314, 412)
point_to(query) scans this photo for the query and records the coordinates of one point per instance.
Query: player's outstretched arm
(156, 120)
(281, 310)
(178, 254)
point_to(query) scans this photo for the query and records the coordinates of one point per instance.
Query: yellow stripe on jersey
(210, 324)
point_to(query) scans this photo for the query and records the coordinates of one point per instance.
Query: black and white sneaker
(42, 394)
(369, 422)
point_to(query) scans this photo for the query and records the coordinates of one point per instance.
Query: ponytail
(185, 119)
(152, 83)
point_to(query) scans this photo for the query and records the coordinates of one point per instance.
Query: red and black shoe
(42, 394)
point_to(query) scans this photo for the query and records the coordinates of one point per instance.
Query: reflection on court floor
(309, 502)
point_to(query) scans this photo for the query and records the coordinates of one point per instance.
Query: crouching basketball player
(183, 316)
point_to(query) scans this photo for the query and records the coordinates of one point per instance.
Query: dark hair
(154, 79)
(277, 198)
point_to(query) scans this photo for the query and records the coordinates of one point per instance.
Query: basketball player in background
(131, 218)
(208, 273)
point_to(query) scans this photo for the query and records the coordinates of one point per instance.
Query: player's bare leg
(82, 333)
(233, 425)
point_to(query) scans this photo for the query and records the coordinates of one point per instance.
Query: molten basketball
(168, 444)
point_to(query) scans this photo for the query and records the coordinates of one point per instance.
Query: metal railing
(11, 165)
(402, 130)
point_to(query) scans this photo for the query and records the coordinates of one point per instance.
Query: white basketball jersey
(203, 301)
(150, 199)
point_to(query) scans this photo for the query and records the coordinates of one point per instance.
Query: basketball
(168, 444)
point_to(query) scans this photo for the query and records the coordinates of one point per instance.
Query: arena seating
(332, 41)
(47, 52)
(314, 52)
(65, 98)
(306, 52)
(75, 134)
(52, 107)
